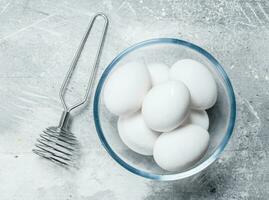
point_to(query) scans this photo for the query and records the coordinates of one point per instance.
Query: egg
(198, 79)
(181, 148)
(159, 73)
(166, 106)
(198, 117)
(136, 135)
(126, 88)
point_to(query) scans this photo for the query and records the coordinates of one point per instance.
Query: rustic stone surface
(37, 42)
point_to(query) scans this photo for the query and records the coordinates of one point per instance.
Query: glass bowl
(221, 115)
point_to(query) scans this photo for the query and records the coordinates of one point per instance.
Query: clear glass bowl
(221, 115)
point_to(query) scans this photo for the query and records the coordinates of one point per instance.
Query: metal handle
(75, 61)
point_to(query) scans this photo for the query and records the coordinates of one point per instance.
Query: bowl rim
(215, 155)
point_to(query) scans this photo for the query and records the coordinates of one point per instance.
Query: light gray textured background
(37, 42)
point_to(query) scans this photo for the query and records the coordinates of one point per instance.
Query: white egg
(198, 117)
(199, 80)
(159, 73)
(166, 106)
(181, 148)
(136, 135)
(126, 88)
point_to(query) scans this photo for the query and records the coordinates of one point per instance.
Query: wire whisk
(58, 144)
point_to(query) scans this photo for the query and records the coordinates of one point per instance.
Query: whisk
(58, 144)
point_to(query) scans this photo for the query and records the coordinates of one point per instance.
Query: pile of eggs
(162, 110)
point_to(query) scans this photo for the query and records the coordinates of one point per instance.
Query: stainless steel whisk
(58, 144)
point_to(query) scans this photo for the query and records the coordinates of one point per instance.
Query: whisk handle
(75, 61)
(63, 124)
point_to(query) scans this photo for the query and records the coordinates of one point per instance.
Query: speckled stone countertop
(37, 42)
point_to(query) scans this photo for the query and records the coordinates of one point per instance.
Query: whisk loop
(58, 144)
